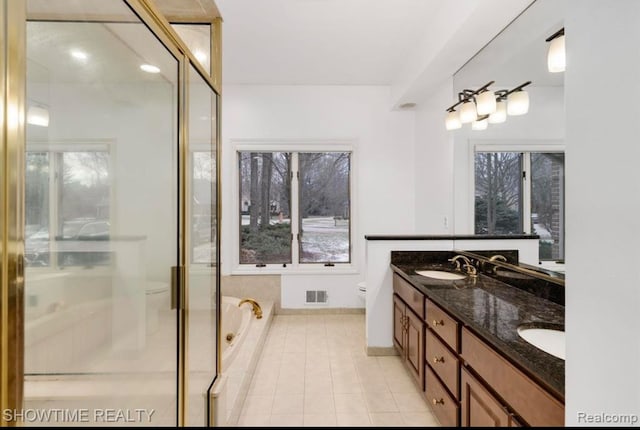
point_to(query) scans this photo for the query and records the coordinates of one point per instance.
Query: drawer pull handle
(438, 402)
(437, 323)
(438, 360)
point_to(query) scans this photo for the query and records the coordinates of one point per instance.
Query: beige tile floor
(314, 372)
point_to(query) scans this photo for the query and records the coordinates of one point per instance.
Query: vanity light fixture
(518, 100)
(467, 112)
(556, 57)
(486, 102)
(483, 106)
(453, 120)
(500, 114)
(480, 124)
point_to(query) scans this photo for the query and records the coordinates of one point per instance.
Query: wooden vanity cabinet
(521, 395)
(409, 327)
(442, 367)
(479, 407)
(465, 381)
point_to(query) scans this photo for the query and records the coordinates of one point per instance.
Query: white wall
(433, 161)
(603, 202)
(383, 145)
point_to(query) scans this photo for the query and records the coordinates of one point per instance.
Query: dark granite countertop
(449, 237)
(493, 310)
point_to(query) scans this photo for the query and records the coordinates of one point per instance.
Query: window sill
(346, 269)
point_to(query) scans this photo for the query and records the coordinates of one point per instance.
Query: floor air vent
(316, 297)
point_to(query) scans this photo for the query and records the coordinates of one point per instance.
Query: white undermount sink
(440, 274)
(549, 340)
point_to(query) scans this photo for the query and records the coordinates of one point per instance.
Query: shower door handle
(177, 287)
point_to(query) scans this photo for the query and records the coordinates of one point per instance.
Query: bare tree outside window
(547, 203)
(322, 230)
(265, 207)
(37, 250)
(80, 201)
(499, 191)
(498, 194)
(203, 208)
(324, 207)
(84, 207)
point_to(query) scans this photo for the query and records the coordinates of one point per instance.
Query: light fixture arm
(555, 35)
(518, 88)
(467, 94)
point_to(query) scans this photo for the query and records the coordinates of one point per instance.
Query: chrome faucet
(468, 266)
(257, 310)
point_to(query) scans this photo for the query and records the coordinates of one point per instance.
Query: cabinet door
(479, 407)
(415, 346)
(398, 326)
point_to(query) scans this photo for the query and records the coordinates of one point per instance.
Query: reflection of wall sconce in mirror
(556, 57)
(518, 100)
(37, 115)
(480, 124)
(483, 107)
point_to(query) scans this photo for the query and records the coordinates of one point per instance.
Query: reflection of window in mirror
(515, 168)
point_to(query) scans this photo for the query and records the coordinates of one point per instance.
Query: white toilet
(362, 292)
(157, 299)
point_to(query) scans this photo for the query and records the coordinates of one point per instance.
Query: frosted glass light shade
(500, 114)
(556, 57)
(518, 103)
(486, 103)
(38, 116)
(468, 112)
(453, 121)
(480, 125)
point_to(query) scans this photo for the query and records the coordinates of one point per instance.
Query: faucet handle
(456, 262)
(471, 269)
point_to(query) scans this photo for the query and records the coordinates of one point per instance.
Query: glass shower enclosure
(120, 224)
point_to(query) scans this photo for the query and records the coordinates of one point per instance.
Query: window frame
(294, 147)
(51, 148)
(526, 147)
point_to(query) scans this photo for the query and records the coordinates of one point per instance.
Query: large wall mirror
(509, 169)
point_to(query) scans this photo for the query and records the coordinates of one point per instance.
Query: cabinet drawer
(444, 407)
(443, 362)
(442, 324)
(412, 297)
(530, 401)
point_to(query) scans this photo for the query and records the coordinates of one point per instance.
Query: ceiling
(320, 42)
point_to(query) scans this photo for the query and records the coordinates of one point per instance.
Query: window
(522, 192)
(294, 208)
(67, 208)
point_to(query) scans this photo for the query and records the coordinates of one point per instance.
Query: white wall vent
(316, 297)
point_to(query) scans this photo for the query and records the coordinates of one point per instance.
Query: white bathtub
(236, 322)
(239, 356)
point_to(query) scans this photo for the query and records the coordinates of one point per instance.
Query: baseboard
(377, 351)
(319, 311)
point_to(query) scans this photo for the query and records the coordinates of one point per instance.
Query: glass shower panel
(203, 286)
(102, 218)
(197, 37)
